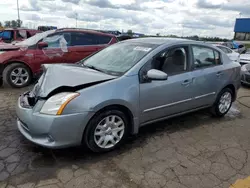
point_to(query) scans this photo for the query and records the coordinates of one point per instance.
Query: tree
(130, 32)
(7, 24)
(19, 23)
(1, 25)
(157, 34)
(13, 23)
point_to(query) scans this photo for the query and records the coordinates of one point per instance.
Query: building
(242, 29)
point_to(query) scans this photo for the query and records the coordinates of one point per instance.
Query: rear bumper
(51, 131)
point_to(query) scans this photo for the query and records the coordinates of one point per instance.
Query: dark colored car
(21, 62)
(237, 47)
(245, 74)
(15, 35)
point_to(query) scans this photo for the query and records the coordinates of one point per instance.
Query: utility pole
(76, 19)
(19, 21)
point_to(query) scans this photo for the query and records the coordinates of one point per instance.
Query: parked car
(16, 34)
(21, 62)
(111, 94)
(245, 74)
(234, 56)
(245, 58)
(237, 47)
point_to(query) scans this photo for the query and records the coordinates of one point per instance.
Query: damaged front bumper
(58, 131)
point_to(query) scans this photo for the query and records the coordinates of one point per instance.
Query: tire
(1, 82)
(91, 140)
(220, 112)
(9, 81)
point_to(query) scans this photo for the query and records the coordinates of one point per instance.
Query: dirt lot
(193, 151)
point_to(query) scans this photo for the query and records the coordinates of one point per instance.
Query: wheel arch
(233, 89)
(4, 65)
(119, 107)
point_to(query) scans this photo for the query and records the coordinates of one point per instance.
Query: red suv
(21, 62)
(15, 35)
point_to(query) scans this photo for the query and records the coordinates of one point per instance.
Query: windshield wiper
(93, 67)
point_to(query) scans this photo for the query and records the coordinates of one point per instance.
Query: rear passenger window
(103, 39)
(205, 57)
(81, 39)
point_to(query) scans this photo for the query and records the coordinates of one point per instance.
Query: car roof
(157, 40)
(14, 29)
(84, 31)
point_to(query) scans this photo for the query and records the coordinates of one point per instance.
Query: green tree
(7, 24)
(157, 34)
(130, 32)
(13, 23)
(19, 23)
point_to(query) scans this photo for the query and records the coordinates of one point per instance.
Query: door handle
(219, 73)
(186, 82)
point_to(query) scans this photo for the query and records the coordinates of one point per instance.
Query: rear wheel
(223, 103)
(106, 131)
(1, 82)
(17, 75)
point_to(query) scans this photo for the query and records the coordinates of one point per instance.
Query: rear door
(82, 45)
(208, 74)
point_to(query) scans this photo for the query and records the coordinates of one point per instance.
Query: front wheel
(223, 103)
(17, 75)
(106, 131)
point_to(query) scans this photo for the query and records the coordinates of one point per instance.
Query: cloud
(33, 17)
(33, 6)
(241, 6)
(193, 17)
(208, 5)
(72, 1)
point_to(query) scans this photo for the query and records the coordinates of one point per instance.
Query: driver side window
(57, 40)
(172, 61)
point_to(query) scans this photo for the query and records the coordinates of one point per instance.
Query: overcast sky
(180, 17)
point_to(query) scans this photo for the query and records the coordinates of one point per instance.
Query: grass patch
(247, 45)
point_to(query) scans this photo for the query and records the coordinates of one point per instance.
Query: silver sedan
(102, 99)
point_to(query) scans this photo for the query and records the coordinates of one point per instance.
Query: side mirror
(155, 74)
(42, 45)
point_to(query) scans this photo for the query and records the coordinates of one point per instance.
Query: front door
(57, 50)
(164, 98)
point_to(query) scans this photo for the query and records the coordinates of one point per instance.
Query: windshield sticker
(140, 48)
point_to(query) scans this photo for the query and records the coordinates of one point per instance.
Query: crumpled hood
(10, 47)
(67, 77)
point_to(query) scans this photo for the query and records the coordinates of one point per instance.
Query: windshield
(33, 40)
(118, 58)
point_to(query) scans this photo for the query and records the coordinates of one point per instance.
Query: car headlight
(244, 68)
(56, 104)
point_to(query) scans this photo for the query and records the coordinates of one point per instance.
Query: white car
(245, 58)
(234, 56)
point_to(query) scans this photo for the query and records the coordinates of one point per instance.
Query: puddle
(43, 161)
(233, 112)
